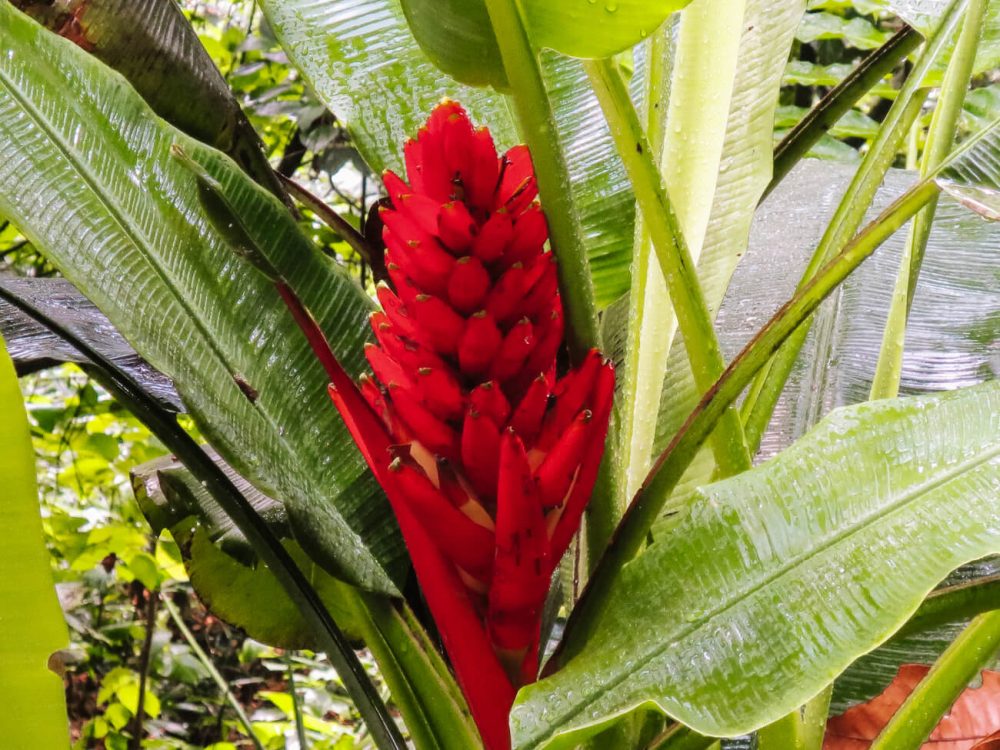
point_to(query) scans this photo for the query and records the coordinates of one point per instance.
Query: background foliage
(112, 574)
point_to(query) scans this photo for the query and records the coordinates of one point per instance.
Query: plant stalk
(679, 270)
(876, 66)
(300, 725)
(940, 137)
(206, 661)
(671, 465)
(539, 129)
(965, 658)
(145, 661)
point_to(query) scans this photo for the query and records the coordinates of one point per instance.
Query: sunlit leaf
(32, 630)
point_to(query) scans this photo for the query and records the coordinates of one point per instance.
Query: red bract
(487, 459)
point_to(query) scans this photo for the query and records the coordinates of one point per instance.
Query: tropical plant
(720, 598)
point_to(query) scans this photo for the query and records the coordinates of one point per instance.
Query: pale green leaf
(595, 28)
(32, 630)
(768, 585)
(86, 173)
(857, 32)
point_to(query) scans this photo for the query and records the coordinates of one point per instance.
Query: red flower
(487, 460)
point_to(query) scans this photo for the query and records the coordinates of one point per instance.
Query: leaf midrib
(863, 523)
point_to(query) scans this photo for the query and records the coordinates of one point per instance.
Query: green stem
(421, 686)
(814, 718)
(679, 270)
(539, 129)
(962, 661)
(680, 737)
(300, 724)
(209, 665)
(671, 465)
(940, 137)
(868, 73)
(164, 425)
(763, 396)
(954, 604)
(647, 348)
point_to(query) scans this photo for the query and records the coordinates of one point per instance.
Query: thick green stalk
(693, 316)
(763, 396)
(539, 130)
(868, 73)
(783, 734)
(961, 662)
(814, 717)
(671, 465)
(213, 672)
(425, 692)
(940, 137)
(953, 604)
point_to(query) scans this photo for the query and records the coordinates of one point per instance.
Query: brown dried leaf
(972, 723)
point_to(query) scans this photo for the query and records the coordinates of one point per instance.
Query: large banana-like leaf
(365, 64)
(86, 173)
(770, 583)
(32, 629)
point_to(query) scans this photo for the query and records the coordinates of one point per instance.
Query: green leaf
(595, 28)
(768, 585)
(363, 62)
(32, 629)
(736, 179)
(86, 172)
(457, 36)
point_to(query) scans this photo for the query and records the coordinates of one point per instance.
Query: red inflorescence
(487, 458)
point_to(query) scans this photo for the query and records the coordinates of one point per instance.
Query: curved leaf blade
(597, 28)
(769, 584)
(86, 172)
(457, 36)
(32, 628)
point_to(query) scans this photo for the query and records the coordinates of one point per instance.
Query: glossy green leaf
(364, 63)
(32, 630)
(457, 36)
(767, 585)
(86, 173)
(595, 28)
(366, 66)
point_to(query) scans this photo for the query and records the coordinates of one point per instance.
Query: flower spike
(488, 460)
